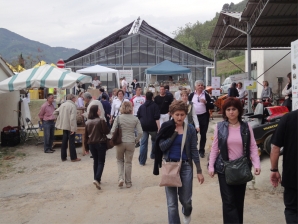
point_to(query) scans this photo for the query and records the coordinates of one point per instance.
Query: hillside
(226, 68)
(12, 45)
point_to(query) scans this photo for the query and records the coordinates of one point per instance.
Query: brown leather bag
(170, 171)
(117, 135)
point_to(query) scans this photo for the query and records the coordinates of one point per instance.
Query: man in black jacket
(202, 103)
(148, 115)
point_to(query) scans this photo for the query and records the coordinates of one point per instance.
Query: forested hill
(198, 35)
(13, 45)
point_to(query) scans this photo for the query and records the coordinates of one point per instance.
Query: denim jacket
(190, 147)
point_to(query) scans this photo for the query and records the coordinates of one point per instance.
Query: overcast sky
(81, 23)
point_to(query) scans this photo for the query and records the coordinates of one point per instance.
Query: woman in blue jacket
(168, 147)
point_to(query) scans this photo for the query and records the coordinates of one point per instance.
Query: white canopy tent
(98, 69)
(45, 76)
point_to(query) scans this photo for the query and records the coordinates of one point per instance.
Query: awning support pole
(249, 66)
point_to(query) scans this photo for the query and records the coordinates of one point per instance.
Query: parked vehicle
(264, 122)
(233, 78)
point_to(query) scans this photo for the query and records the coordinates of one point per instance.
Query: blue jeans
(144, 146)
(48, 132)
(99, 156)
(184, 193)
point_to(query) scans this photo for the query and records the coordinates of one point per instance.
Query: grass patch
(8, 157)
(226, 68)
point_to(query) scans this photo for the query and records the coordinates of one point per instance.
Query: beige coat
(128, 124)
(67, 116)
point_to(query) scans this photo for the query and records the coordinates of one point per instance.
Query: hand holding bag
(117, 135)
(238, 171)
(170, 171)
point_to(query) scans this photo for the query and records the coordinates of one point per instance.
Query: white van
(233, 78)
(226, 85)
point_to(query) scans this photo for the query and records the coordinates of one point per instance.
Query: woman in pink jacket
(228, 144)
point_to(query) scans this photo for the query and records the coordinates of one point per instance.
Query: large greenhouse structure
(139, 46)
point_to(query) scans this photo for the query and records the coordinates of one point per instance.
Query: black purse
(238, 171)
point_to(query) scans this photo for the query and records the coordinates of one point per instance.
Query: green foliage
(226, 68)
(197, 36)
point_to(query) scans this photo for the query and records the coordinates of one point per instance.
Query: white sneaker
(96, 183)
(120, 184)
(186, 219)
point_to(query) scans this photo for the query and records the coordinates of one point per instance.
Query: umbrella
(43, 76)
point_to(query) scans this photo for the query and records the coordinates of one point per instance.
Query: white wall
(8, 103)
(265, 59)
(279, 70)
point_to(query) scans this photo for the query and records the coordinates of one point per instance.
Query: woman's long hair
(93, 112)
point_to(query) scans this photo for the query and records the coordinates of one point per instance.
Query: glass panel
(191, 60)
(199, 61)
(92, 59)
(127, 51)
(97, 57)
(183, 58)
(143, 50)
(86, 60)
(135, 50)
(175, 54)
(151, 52)
(103, 57)
(136, 73)
(119, 53)
(111, 55)
(167, 53)
(142, 77)
(159, 52)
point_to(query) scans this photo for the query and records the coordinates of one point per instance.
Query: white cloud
(79, 24)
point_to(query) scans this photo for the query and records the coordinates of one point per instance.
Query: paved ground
(42, 189)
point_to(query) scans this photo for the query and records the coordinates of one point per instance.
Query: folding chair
(32, 131)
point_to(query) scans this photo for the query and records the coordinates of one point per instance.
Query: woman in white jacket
(287, 92)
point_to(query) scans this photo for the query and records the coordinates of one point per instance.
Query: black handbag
(238, 171)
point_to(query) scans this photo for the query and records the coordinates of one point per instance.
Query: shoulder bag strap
(183, 137)
(244, 138)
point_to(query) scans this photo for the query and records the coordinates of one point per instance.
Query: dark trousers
(99, 156)
(48, 131)
(232, 197)
(67, 137)
(204, 123)
(290, 201)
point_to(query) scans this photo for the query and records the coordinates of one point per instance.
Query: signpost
(60, 63)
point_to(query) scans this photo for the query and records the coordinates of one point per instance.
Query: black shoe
(91, 156)
(48, 151)
(202, 155)
(53, 150)
(137, 145)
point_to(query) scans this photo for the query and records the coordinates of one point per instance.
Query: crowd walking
(178, 129)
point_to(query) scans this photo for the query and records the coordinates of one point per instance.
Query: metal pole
(249, 66)
(215, 67)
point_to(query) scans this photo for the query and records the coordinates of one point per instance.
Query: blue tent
(167, 68)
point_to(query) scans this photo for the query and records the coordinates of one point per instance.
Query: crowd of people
(166, 118)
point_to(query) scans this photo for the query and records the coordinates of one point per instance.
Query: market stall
(169, 68)
(105, 73)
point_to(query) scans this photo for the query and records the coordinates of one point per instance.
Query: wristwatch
(274, 170)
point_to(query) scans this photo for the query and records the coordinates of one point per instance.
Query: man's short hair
(87, 95)
(200, 82)
(50, 94)
(104, 96)
(70, 96)
(138, 87)
(167, 87)
(149, 96)
(102, 90)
